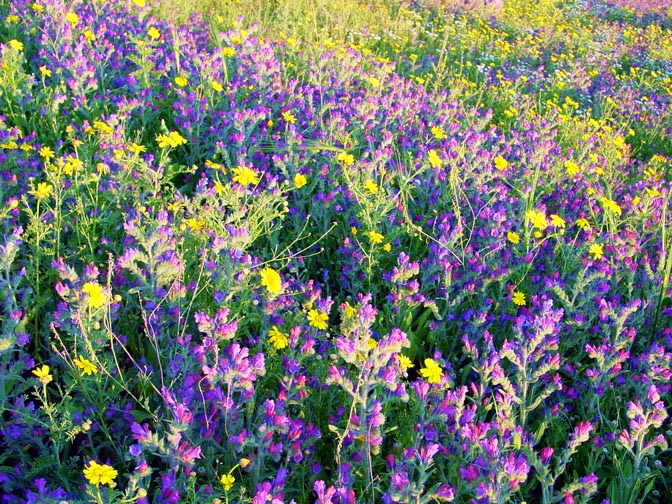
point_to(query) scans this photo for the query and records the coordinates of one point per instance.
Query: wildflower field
(345, 251)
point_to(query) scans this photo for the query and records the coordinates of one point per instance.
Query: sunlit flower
(227, 480)
(537, 218)
(228, 52)
(195, 224)
(172, 139)
(87, 367)
(181, 81)
(72, 18)
(139, 3)
(376, 237)
(345, 158)
(610, 205)
(43, 374)
(42, 191)
(572, 168)
(37, 7)
(432, 371)
(318, 319)
(46, 153)
(95, 294)
(557, 221)
(44, 71)
(597, 250)
(89, 35)
(137, 149)
(300, 180)
(277, 338)
(216, 86)
(12, 19)
(518, 298)
(271, 280)
(583, 223)
(513, 237)
(153, 33)
(438, 132)
(289, 117)
(371, 186)
(100, 474)
(404, 362)
(501, 163)
(434, 159)
(245, 176)
(15, 44)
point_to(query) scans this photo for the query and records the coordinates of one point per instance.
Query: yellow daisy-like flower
(100, 474)
(181, 81)
(404, 362)
(12, 19)
(513, 237)
(271, 280)
(572, 168)
(153, 33)
(518, 298)
(345, 158)
(501, 163)
(37, 7)
(349, 311)
(289, 117)
(172, 139)
(438, 132)
(597, 250)
(95, 295)
(44, 71)
(611, 205)
(72, 18)
(317, 319)
(376, 237)
(43, 374)
(434, 159)
(277, 338)
(216, 86)
(228, 52)
(46, 153)
(583, 223)
(245, 176)
(371, 186)
(537, 218)
(15, 44)
(557, 221)
(87, 367)
(42, 191)
(300, 180)
(195, 224)
(139, 3)
(227, 480)
(432, 371)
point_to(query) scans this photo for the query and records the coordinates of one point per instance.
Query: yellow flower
(387, 247)
(228, 52)
(289, 117)
(72, 18)
(277, 338)
(216, 86)
(45, 71)
(434, 159)
(139, 3)
(518, 298)
(37, 7)
(43, 374)
(513, 237)
(195, 224)
(404, 362)
(583, 223)
(89, 35)
(537, 218)
(42, 191)
(432, 371)
(137, 149)
(371, 186)
(375, 237)
(100, 474)
(172, 139)
(181, 81)
(15, 44)
(597, 250)
(572, 168)
(501, 164)
(610, 205)
(438, 132)
(318, 319)
(557, 221)
(271, 280)
(153, 33)
(245, 176)
(103, 127)
(87, 367)
(227, 480)
(348, 310)
(345, 158)
(300, 180)
(96, 296)
(12, 19)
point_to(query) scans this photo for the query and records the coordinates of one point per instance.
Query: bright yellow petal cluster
(172, 139)
(501, 163)
(227, 480)
(271, 280)
(100, 474)
(432, 371)
(277, 338)
(318, 319)
(245, 176)
(42, 191)
(518, 298)
(43, 374)
(537, 218)
(96, 296)
(87, 367)
(434, 159)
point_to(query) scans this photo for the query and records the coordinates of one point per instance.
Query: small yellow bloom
(438, 132)
(345, 158)
(195, 224)
(15, 44)
(43, 374)
(501, 163)
(597, 250)
(404, 362)
(376, 237)
(318, 319)
(37, 7)
(42, 191)
(271, 280)
(95, 294)
(227, 481)
(139, 3)
(245, 176)
(557, 221)
(12, 19)
(434, 159)
(432, 371)
(371, 186)
(513, 237)
(137, 149)
(87, 367)
(89, 35)
(300, 180)
(153, 33)
(537, 218)
(572, 168)
(72, 18)
(100, 474)
(181, 81)
(216, 86)
(611, 205)
(518, 298)
(277, 338)
(289, 117)
(349, 311)
(387, 247)
(228, 52)
(583, 223)
(45, 71)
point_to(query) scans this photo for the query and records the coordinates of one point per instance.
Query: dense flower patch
(239, 269)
